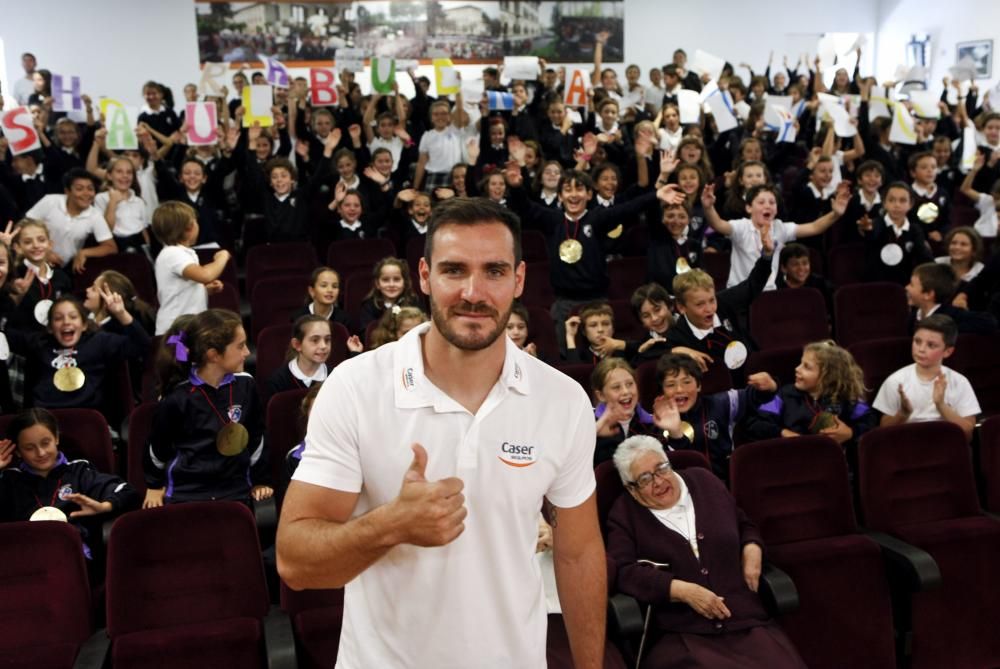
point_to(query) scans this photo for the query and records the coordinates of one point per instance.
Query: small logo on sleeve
(517, 455)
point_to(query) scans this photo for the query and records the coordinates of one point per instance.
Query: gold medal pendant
(570, 251)
(68, 379)
(928, 213)
(49, 513)
(688, 430)
(232, 439)
(681, 266)
(616, 233)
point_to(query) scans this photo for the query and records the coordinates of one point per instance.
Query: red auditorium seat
(354, 256)
(783, 318)
(989, 461)
(917, 484)
(140, 424)
(867, 311)
(354, 290)
(780, 363)
(717, 266)
(135, 266)
(228, 298)
(626, 274)
(579, 372)
(879, 358)
(45, 613)
(229, 275)
(185, 588)
(796, 491)
(846, 264)
(542, 331)
(537, 286)
(273, 301)
(284, 259)
(534, 246)
(316, 619)
(627, 326)
(284, 428)
(978, 358)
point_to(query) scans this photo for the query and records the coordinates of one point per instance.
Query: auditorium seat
(780, 363)
(285, 259)
(354, 290)
(796, 491)
(879, 358)
(579, 372)
(272, 348)
(316, 619)
(542, 331)
(989, 461)
(792, 317)
(846, 264)
(228, 298)
(717, 267)
(626, 274)
(537, 285)
(867, 311)
(358, 256)
(273, 301)
(185, 588)
(140, 424)
(917, 484)
(627, 326)
(534, 247)
(978, 358)
(229, 275)
(284, 428)
(135, 266)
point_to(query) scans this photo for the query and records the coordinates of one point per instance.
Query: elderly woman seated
(683, 547)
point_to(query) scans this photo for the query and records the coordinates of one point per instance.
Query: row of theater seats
(921, 571)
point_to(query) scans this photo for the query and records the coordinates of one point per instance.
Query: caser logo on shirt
(517, 455)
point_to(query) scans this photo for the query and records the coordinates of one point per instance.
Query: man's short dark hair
(939, 277)
(78, 173)
(472, 211)
(941, 324)
(672, 364)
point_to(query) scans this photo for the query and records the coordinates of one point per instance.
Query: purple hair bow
(180, 350)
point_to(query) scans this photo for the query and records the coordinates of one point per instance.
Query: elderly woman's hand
(699, 598)
(752, 555)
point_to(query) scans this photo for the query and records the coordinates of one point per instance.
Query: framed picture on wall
(981, 52)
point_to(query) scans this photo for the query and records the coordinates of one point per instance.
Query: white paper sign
(577, 82)
(213, 78)
(925, 104)
(780, 121)
(782, 101)
(521, 67)
(878, 103)
(705, 63)
(18, 127)
(721, 107)
(963, 70)
(902, 131)
(689, 106)
(352, 60)
(842, 125)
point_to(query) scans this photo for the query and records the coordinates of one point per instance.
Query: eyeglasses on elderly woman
(644, 480)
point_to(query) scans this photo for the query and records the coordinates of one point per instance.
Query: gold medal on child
(232, 439)
(681, 266)
(616, 233)
(928, 213)
(570, 251)
(48, 513)
(688, 430)
(68, 379)
(735, 355)
(42, 311)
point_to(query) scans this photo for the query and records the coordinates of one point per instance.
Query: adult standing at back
(25, 86)
(425, 468)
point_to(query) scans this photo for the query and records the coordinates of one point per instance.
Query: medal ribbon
(65, 358)
(207, 399)
(55, 494)
(576, 228)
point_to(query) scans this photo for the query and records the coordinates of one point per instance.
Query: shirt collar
(317, 376)
(418, 226)
(412, 390)
(350, 226)
(39, 172)
(37, 269)
(897, 231)
(822, 194)
(869, 205)
(925, 192)
(698, 332)
(605, 202)
(198, 381)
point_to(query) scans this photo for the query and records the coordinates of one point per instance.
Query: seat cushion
(49, 656)
(235, 643)
(836, 578)
(954, 625)
(317, 632)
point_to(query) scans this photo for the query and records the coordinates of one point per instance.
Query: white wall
(946, 22)
(115, 45)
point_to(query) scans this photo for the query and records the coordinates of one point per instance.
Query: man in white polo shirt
(71, 218)
(425, 467)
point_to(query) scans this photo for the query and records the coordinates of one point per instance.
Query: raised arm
(820, 225)
(369, 117)
(967, 189)
(711, 215)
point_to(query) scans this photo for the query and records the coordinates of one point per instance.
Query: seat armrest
(94, 651)
(279, 640)
(266, 515)
(905, 563)
(777, 591)
(624, 616)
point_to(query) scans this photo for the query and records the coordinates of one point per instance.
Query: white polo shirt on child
(478, 601)
(747, 248)
(69, 233)
(959, 395)
(131, 216)
(177, 296)
(986, 224)
(443, 148)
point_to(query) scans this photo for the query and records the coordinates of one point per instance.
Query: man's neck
(465, 376)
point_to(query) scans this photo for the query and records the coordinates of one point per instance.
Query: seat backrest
(355, 289)
(284, 429)
(878, 358)
(717, 267)
(272, 345)
(645, 380)
(989, 461)
(793, 489)
(275, 300)
(184, 564)
(791, 317)
(46, 597)
(542, 331)
(294, 602)
(846, 264)
(626, 274)
(534, 246)
(875, 310)
(140, 424)
(579, 372)
(915, 473)
(780, 363)
(228, 298)
(272, 260)
(977, 356)
(538, 285)
(351, 256)
(415, 251)
(229, 274)
(627, 326)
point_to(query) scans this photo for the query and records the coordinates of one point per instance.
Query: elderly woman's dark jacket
(634, 533)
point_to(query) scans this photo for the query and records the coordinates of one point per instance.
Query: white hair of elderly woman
(632, 448)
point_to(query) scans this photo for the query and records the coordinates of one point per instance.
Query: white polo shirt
(747, 248)
(479, 601)
(69, 233)
(177, 295)
(131, 215)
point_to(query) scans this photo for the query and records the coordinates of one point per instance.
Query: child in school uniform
(826, 398)
(704, 423)
(391, 286)
(410, 214)
(442, 146)
(674, 248)
(123, 208)
(930, 291)
(207, 437)
(894, 245)
(395, 323)
(618, 412)
(931, 205)
(964, 249)
(323, 293)
(598, 323)
(183, 285)
(349, 210)
(986, 203)
(35, 283)
(927, 390)
(867, 201)
(795, 271)
(66, 366)
(307, 356)
(517, 328)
